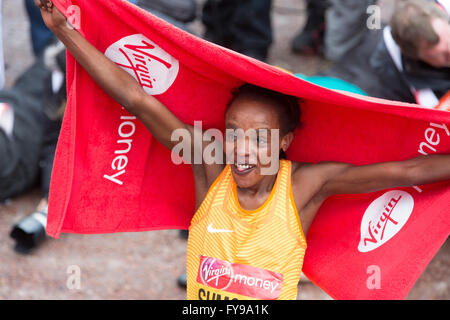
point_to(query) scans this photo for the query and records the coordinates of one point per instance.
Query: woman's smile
(242, 169)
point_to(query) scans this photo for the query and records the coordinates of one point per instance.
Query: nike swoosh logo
(213, 230)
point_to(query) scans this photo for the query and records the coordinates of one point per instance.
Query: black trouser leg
(241, 25)
(216, 17)
(50, 141)
(310, 38)
(20, 154)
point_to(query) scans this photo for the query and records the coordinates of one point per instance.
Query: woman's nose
(246, 151)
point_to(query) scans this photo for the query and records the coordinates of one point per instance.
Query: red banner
(110, 175)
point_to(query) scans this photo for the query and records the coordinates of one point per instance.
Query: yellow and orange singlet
(234, 253)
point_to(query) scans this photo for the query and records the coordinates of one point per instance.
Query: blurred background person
(29, 130)
(28, 137)
(407, 60)
(421, 48)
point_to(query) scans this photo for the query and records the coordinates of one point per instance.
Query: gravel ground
(139, 265)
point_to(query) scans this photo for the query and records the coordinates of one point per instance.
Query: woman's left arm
(343, 178)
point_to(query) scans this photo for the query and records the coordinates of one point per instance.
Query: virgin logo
(73, 17)
(384, 218)
(216, 273)
(151, 66)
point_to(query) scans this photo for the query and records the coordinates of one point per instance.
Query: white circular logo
(151, 66)
(216, 273)
(384, 218)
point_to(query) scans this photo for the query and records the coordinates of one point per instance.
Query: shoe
(184, 234)
(182, 280)
(30, 232)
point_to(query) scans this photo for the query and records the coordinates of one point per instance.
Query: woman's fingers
(44, 4)
(39, 4)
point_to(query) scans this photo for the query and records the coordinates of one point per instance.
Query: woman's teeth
(242, 167)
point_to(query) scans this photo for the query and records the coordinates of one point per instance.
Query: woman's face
(253, 140)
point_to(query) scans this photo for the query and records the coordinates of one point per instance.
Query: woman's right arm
(117, 83)
(124, 89)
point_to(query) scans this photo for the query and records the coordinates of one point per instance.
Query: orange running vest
(234, 253)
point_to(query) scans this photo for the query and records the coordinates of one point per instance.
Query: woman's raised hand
(52, 17)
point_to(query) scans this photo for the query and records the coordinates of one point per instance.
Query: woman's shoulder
(298, 166)
(310, 172)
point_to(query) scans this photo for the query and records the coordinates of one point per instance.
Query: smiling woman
(249, 228)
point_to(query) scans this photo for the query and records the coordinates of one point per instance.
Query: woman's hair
(288, 107)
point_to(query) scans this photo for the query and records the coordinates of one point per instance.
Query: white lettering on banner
(126, 129)
(384, 218)
(432, 140)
